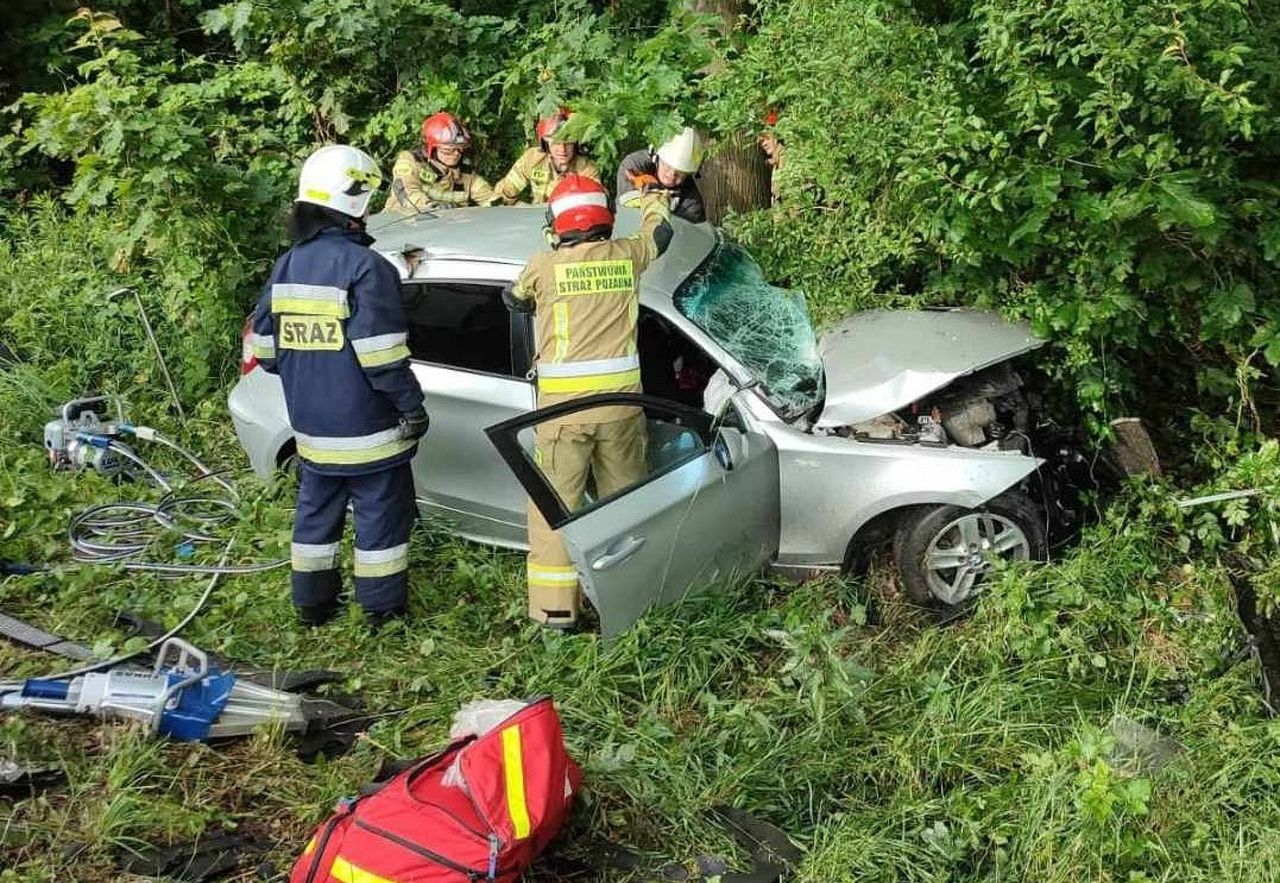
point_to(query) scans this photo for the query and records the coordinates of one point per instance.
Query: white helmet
(339, 177)
(683, 152)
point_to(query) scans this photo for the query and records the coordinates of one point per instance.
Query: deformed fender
(834, 486)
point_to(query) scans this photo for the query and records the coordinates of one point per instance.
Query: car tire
(943, 552)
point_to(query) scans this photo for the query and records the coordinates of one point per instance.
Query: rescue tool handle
(187, 655)
(621, 552)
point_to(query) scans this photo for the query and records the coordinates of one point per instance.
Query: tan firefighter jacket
(417, 183)
(534, 172)
(587, 300)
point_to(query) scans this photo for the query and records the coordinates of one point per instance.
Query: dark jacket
(331, 323)
(686, 200)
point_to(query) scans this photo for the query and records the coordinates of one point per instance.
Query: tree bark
(735, 175)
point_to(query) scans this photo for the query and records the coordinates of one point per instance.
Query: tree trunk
(735, 175)
(1264, 631)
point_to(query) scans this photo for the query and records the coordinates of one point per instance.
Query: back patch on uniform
(595, 277)
(309, 333)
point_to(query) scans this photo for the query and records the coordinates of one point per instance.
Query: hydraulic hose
(129, 454)
(215, 573)
(120, 533)
(146, 433)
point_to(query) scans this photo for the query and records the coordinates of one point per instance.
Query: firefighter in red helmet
(585, 293)
(432, 176)
(539, 169)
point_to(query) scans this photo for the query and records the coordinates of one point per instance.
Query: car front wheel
(944, 553)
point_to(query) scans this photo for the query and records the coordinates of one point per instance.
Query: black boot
(379, 618)
(313, 615)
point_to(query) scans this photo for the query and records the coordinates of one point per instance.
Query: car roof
(512, 234)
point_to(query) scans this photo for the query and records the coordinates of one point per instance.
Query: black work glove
(414, 424)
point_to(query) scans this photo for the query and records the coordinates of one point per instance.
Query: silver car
(767, 445)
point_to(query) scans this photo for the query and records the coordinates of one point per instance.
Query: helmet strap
(578, 237)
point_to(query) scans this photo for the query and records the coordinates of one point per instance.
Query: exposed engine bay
(998, 409)
(991, 409)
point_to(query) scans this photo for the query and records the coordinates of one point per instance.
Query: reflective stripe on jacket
(535, 173)
(587, 300)
(331, 323)
(418, 184)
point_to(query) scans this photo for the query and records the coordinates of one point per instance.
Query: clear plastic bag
(476, 718)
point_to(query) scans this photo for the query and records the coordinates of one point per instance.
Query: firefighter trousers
(384, 511)
(611, 453)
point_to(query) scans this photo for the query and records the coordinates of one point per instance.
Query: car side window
(594, 454)
(460, 325)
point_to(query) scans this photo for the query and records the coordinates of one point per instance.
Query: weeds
(895, 751)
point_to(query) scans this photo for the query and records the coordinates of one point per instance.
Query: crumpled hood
(884, 359)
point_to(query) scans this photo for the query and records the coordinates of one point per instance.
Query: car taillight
(248, 361)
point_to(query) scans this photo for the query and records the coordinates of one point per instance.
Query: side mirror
(730, 448)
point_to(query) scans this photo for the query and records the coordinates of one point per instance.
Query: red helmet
(547, 126)
(443, 129)
(579, 204)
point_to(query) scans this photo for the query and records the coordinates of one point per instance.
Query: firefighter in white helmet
(673, 168)
(331, 324)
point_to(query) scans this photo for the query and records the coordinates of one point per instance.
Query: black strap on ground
(772, 853)
(19, 781)
(209, 857)
(288, 681)
(37, 639)
(18, 568)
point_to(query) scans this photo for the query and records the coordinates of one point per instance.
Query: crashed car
(767, 446)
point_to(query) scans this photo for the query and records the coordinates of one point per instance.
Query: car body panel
(880, 360)
(512, 234)
(261, 420)
(457, 474)
(832, 486)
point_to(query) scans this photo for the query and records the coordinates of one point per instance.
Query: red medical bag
(517, 785)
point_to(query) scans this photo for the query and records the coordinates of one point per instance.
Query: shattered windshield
(765, 328)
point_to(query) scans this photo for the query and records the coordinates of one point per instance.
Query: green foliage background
(1106, 169)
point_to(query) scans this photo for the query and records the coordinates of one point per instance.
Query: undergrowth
(888, 747)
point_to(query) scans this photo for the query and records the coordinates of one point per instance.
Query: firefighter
(673, 167)
(585, 292)
(431, 176)
(330, 323)
(771, 146)
(540, 168)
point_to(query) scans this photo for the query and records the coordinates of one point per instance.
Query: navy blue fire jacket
(331, 323)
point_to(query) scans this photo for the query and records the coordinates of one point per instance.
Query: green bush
(1105, 169)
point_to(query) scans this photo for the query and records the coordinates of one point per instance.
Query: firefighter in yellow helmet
(432, 176)
(586, 294)
(539, 169)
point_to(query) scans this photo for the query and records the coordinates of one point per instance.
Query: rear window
(461, 325)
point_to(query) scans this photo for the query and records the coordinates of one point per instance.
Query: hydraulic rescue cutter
(182, 696)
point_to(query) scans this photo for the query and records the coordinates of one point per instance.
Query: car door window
(672, 366)
(461, 325)
(585, 453)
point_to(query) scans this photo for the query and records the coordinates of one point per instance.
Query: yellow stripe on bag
(346, 872)
(513, 765)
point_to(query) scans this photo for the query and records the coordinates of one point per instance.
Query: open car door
(701, 507)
